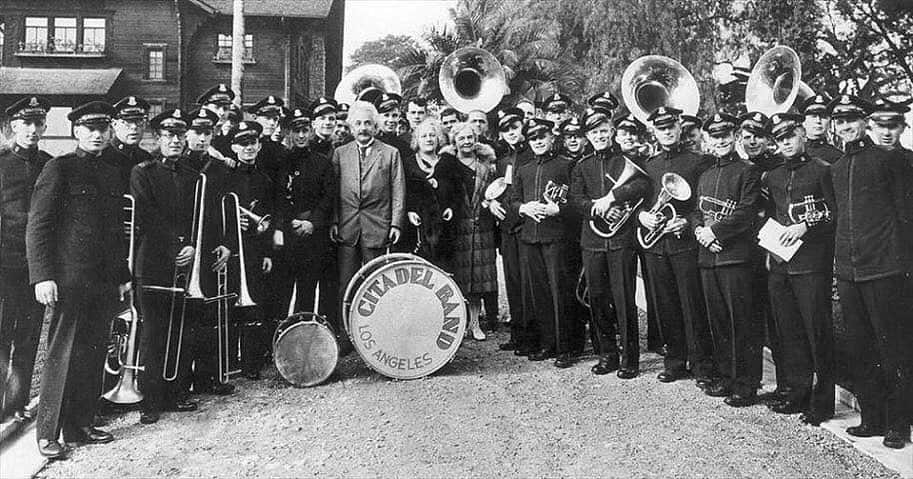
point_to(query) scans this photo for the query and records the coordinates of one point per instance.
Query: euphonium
(125, 349)
(603, 226)
(673, 187)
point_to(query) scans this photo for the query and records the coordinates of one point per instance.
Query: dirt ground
(486, 414)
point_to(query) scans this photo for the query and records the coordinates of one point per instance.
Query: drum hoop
(299, 318)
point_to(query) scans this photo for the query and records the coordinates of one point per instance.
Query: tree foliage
(392, 50)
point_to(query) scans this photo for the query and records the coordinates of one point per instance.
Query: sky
(373, 19)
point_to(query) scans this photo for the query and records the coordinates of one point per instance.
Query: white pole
(237, 49)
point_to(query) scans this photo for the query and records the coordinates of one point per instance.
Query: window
(223, 48)
(64, 34)
(155, 62)
(156, 107)
(36, 34)
(93, 35)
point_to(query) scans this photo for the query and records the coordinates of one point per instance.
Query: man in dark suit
(369, 206)
(20, 315)
(128, 126)
(78, 264)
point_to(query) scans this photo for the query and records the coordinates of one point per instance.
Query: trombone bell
(472, 79)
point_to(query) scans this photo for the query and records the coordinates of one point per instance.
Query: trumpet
(810, 210)
(674, 188)
(124, 350)
(714, 210)
(602, 225)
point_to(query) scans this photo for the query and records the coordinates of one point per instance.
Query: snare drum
(405, 316)
(305, 349)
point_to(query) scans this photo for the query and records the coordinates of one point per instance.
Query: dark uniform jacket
(323, 147)
(530, 180)
(792, 183)
(507, 155)
(164, 194)
(737, 182)
(19, 168)
(823, 150)
(589, 183)
(272, 159)
(307, 194)
(76, 222)
(690, 166)
(256, 192)
(132, 155)
(872, 212)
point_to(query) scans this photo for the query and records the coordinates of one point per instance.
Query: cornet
(603, 226)
(674, 187)
(811, 211)
(714, 210)
(555, 193)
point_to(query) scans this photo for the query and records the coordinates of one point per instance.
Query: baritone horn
(674, 187)
(472, 79)
(364, 77)
(602, 225)
(125, 348)
(653, 81)
(775, 82)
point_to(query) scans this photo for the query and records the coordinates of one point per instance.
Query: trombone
(124, 350)
(231, 225)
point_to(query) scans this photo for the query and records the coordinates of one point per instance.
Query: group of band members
(331, 186)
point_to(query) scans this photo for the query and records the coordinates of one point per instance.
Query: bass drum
(305, 349)
(405, 316)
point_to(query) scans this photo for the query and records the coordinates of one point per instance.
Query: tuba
(124, 352)
(472, 79)
(775, 82)
(602, 226)
(371, 76)
(674, 187)
(653, 81)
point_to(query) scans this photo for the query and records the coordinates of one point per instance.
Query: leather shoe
(741, 400)
(52, 449)
(149, 417)
(182, 405)
(508, 346)
(523, 352)
(627, 373)
(604, 366)
(91, 435)
(671, 375)
(565, 360)
(865, 430)
(542, 355)
(896, 439)
(703, 381)
(813, 419)
(717, 390)
(787, 407)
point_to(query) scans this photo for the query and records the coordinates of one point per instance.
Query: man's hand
(649, 220)
(550, 208)
(394, 235)
(302, 227)
(334, 234)
(534, 210)
(615, 214)
(46, 292)
(123, 289)
(793, 233)
(222, 254)
(601, 206)
(245, 222)
(706, 237)
(676, 225)
(278, 239)
(185, 257)
(715, 247)
(267, 265)
(414, 218)
(497, 210)
(447, 215)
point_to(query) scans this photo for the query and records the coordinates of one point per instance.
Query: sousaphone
(472, 79)
(653, 81)
(365, 77)
(775, 83)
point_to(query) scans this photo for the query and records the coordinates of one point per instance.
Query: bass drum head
(305, 349)
(407, 318)
(363, 273)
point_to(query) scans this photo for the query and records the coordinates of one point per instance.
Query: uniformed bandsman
(21, 316)
(817, 123)
(692, 135)
(557, 109)
(78, 264)
(573, 143)
(800, 289)
(671, 264)
(218, 100)
(543, 242)
(129, 125)
(609, 263)
(343, 132)
(604, 102)
(728, 195)
(873, 211)
(573, 149)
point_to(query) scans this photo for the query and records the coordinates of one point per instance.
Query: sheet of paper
(769, 239)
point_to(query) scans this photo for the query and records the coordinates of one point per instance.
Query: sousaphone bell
(775, 82)
(653, 81)
(365, 77)
(472, 79)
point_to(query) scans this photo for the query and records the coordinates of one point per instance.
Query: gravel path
(486, 414)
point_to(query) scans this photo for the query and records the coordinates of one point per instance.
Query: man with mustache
(77, 263)
(20, 316)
